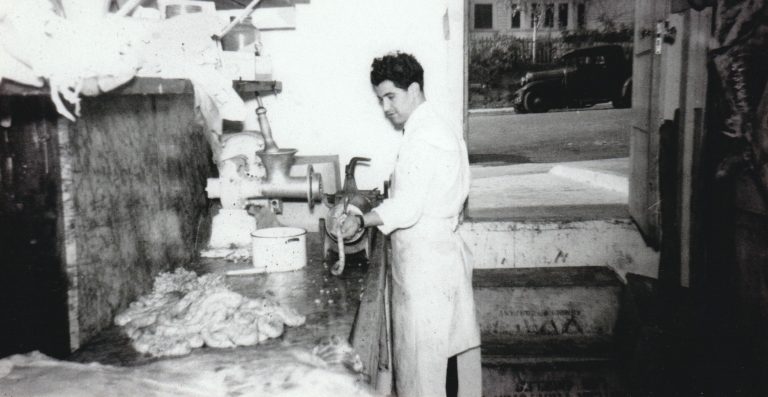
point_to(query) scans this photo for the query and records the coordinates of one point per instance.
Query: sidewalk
(493, 111)
(595, 189)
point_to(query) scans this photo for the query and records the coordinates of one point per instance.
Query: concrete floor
(595, 189)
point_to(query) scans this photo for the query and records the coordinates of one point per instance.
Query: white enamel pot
(277, 249)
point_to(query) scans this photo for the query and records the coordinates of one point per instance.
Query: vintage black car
(584, 77)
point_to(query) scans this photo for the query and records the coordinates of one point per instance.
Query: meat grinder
(253, 171)
(353, 201)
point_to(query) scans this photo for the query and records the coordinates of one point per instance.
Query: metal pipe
(308, 187)
(128, 7)
(266, 131)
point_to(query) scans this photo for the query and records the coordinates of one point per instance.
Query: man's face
(397, 103)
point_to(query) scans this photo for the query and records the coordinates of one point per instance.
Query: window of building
(515, 16)
(483, 16)
(562, 15)
(534, 14)
(549, 15)
(581, 20)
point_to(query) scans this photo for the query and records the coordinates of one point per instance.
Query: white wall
(327, 105)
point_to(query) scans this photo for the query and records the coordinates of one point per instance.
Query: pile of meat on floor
(185, 311)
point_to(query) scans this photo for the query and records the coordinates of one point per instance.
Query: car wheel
(625, 100)
(534, 102)
(621, 103)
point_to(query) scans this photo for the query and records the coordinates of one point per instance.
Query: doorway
(549, 106)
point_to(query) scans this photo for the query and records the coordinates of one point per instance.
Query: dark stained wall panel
(110, 201)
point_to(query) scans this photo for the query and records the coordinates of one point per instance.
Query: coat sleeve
(415, 171)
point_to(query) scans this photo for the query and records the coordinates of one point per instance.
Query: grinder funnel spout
(278, 163)
(279, 183)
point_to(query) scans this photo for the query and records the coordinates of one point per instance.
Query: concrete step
(546, 379)
(612, 242)
(555, 214)
(550, 348)
(549, 331)
(547, 311)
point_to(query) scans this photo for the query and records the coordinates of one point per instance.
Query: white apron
(432, 306)
(433, 311)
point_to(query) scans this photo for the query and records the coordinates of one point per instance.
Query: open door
(644, 139)
(669, 90)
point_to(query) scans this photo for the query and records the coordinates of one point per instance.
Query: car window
(600, 60)
(577, 61)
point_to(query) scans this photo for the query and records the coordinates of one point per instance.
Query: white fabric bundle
(86, 57)
(91, 55)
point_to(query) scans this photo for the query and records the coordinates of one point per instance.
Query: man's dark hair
(399, 68)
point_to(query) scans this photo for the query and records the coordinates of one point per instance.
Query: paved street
(556, 136)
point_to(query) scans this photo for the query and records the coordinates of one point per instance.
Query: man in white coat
(433, 310)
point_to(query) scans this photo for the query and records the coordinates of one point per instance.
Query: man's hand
(350, 225)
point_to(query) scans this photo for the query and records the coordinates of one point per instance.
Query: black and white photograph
(385, 198)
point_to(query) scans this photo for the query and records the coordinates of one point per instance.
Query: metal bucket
(277, 249)
(243, 37)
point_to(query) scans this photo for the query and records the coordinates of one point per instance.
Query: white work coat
(433, 310)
